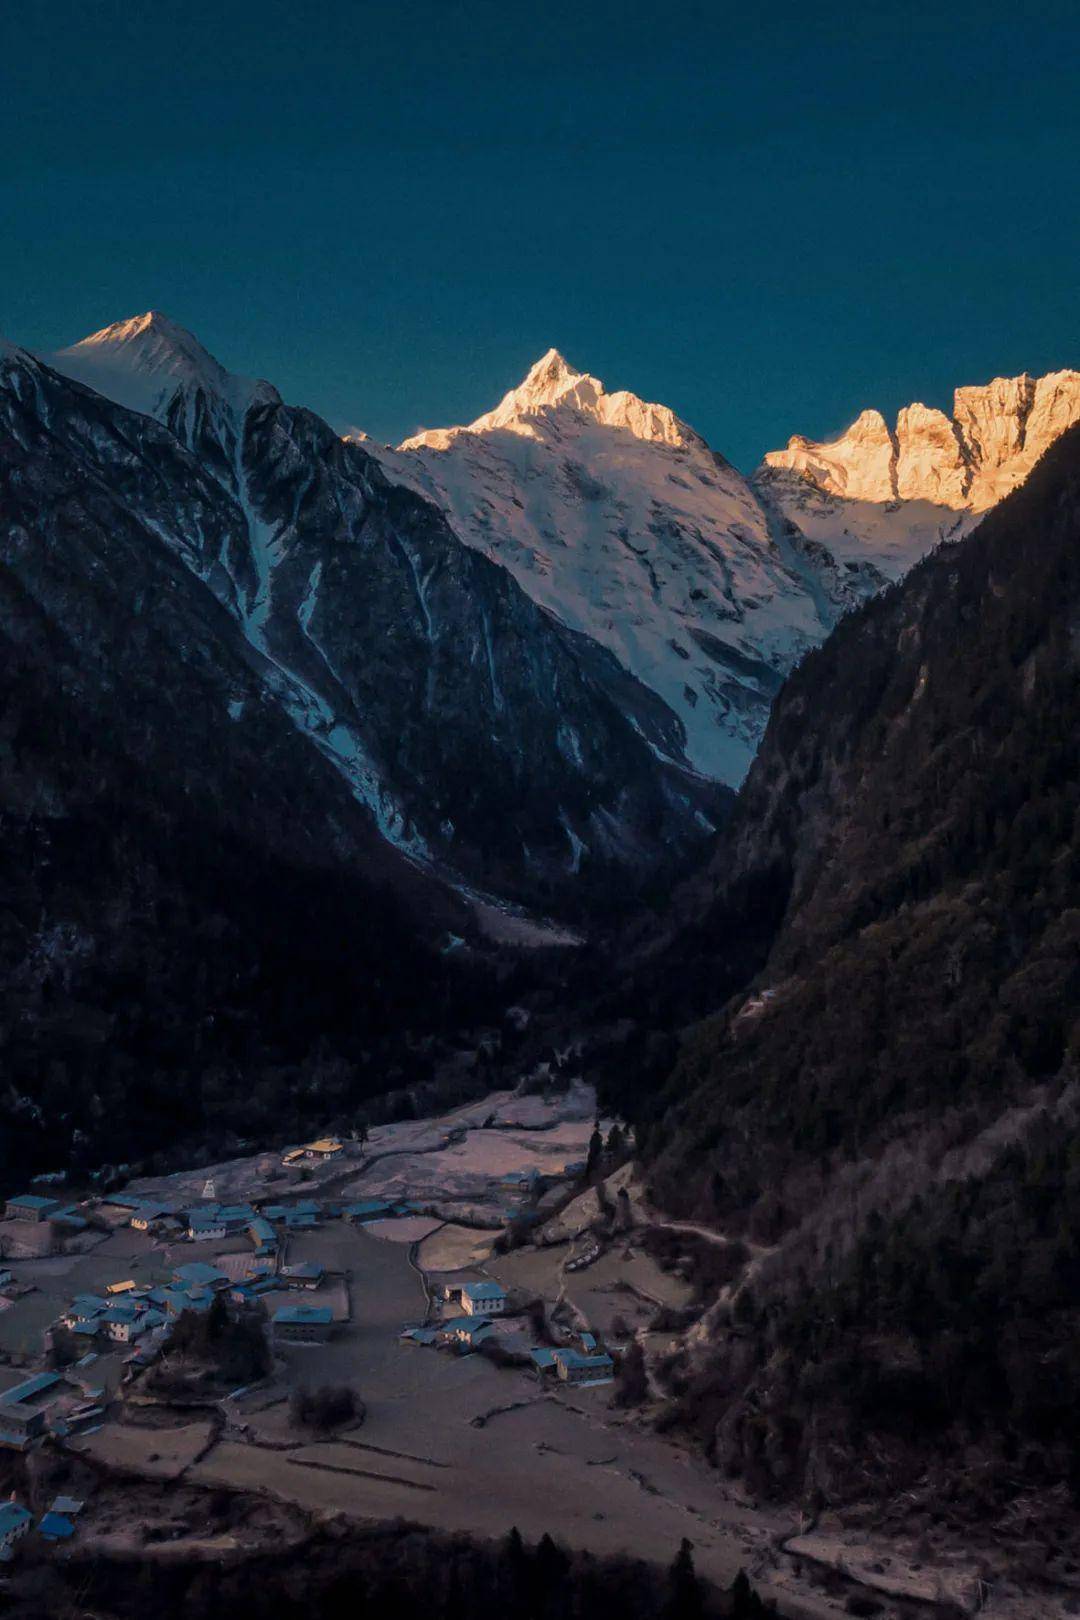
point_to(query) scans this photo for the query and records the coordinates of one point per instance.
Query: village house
(121, 1205)
(262, 1236)
(419, 1335)
(304, 1213)
(31, 1207)
(177, 1300)
(15, 1521)
(367, 1209)
(86, 1331)
(467, 1331)
(483, 1298)
(69, 1506)
(84, 1308)
(308, 1274)
(125, 1323)
(198, 1274)
(575, 1367)
(19, 1425)
(303, 1324)
(326, 1148)
(55, 1526)
(154, 1217)
(252, 1289)
(24, 1408)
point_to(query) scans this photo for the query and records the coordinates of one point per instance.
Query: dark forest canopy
(887, 1086)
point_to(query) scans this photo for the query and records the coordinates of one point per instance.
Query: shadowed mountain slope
(890, 1093)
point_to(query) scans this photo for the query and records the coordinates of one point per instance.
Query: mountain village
(347, 1264)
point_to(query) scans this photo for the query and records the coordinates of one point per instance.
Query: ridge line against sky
(391, 215)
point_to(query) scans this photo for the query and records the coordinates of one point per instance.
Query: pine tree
(684, 1592)
(745, 1603)
(516, 1561)
(596, 1148)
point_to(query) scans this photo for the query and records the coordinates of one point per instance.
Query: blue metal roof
(90, 1304)
(120, 1313)
(33, 1201)
(55, 1527)
(484, 1290)
(199, 1272)
(420, 1335)
(574, 1358)
(300, 1314)
(31, 1387)
(542, 1357)
(184, 1299)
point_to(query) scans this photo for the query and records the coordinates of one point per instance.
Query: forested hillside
(886, 1098)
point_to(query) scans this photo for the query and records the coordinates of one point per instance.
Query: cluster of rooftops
(484, 1299)
(61, 1402)
(58, 1524)
(208, 1220)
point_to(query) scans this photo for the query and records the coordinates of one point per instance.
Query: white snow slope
(142, 363)
(619, 519)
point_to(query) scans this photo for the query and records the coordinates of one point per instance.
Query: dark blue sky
(765, 222)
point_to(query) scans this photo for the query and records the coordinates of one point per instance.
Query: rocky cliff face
(617, 518)
(482, 734)
(928, 475)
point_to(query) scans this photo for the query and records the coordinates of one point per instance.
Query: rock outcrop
(997, 433)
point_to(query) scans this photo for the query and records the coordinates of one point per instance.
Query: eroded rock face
(930, 461)
(860, 464)
(997, 433)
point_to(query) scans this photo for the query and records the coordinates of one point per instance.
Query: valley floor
(453, 1441)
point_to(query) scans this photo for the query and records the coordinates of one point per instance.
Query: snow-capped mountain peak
(617, 517)
(553, 396)
(547, 382)
(145, 361)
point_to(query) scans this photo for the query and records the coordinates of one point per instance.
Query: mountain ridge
(618, 518)
(997, 432)
(482, 734)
